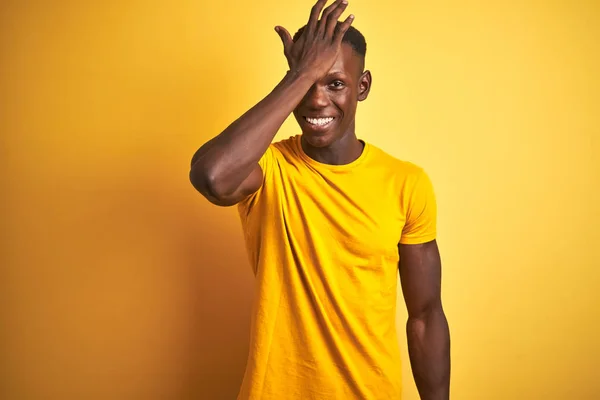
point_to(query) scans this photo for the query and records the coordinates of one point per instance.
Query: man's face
(327, 111)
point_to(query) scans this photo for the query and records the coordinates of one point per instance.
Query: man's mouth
(319, 121)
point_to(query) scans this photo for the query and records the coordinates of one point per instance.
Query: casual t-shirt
(323, 244)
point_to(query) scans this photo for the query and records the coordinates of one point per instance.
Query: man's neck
(343, 151)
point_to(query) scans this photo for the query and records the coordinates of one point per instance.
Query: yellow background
(119, 282)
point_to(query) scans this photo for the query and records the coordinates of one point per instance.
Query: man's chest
(362, 212)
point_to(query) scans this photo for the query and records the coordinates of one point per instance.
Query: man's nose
(317, 97)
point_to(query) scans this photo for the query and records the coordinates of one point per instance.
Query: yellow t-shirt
(323, 243)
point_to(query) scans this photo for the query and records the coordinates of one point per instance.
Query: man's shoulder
(285, 148)
(285, 143)
(397, 165)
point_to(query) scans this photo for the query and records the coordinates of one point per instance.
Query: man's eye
(337, 84)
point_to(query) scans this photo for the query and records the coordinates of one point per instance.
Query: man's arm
(427, 328)
(226, 169)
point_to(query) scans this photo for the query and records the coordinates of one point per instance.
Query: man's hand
(316, 50)
(226, 169)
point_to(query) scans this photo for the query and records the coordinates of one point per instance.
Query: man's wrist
(303, 76)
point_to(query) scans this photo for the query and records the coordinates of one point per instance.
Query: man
(329, 220)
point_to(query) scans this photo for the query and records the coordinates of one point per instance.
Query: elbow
(207, 175)
(421, 315)
(431, 320)
(204, 180)
(209, 184)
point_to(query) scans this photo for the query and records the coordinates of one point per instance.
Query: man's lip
(308, 116)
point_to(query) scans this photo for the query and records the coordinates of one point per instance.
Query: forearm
(429, 349)
(232, 155)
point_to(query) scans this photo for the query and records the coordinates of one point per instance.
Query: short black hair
(353, 37)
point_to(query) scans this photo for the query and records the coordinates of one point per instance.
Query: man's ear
(364, 85)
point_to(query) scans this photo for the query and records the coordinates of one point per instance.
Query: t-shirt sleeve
(421, 211)
(267, 164)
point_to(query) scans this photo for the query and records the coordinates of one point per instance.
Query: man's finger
(315, 12)
(286, 39)
(323, 21)
(342, 28)
(332, 19)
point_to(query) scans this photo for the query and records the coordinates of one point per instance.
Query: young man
(328, 221)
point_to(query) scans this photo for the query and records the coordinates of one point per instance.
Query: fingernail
(351, 16)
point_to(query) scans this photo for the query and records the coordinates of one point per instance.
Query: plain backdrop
(120, 282)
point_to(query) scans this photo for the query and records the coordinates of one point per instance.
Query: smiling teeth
(319, 121)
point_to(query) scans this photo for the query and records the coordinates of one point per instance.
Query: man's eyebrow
(335, 73)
